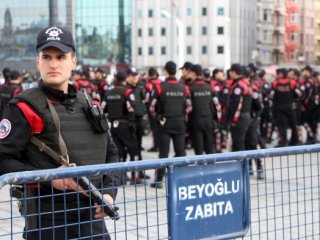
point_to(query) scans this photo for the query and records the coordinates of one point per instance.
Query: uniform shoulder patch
(132, 97)
(5, 128)
(237, 91)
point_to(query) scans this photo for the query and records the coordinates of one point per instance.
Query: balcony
(280, 9)
(291, 46)
(292, 7)
(278, 48)
(292, 27)
(280, 29)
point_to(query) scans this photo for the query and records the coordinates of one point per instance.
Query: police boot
(135, 179)
(158, 179)
(143, 175)
(260, 172)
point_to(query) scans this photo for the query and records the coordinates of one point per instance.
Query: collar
(58, 95)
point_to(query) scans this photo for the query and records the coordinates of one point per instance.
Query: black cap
(120, 76)
(206, 73)
(99, 69)
(197, 69)
(236, 67)
(152, 71)
(55, 37)
(187, 65)
(132, 71)
(171, 67)
(6, 72)
(308, 68)
(215, 71)
(15, 75)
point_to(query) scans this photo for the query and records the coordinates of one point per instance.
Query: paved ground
(283, 206)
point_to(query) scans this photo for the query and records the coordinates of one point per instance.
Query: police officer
(150, 86)
(120, 103)
(309, 107)
(202, 115)
(283, 92)
(33, 117)
(84, 84)
(219, 89)
(169, 104)
(139, 107)
(185, 73)
(253, 135)
(6, 72)
(239, 107)
(265, 117)
(10, 89)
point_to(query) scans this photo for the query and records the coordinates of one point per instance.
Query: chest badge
(115, 124)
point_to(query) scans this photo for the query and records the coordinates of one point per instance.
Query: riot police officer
(203, 112)
(239, 107)
(11, 88)
(120, 108)
(169, 104)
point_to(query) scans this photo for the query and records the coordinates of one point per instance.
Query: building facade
(102, 30)
(243, 31)
(317, 29)
(265, 31)
(181, 30)
(294, 32)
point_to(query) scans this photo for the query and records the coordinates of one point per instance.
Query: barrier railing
(283, 205)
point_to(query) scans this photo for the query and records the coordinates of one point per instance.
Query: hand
(67, 184)
(99, 212)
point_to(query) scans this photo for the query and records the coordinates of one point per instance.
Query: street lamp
(175, 22)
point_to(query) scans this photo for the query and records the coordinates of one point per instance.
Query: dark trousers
(125, 139)
(252, 140)
(68, 225)
(285, 117)
(202, 134)
(239, 132)
(178, 140)
(153, 126)
(139, 134)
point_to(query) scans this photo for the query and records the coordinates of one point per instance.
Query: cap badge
(53, 33)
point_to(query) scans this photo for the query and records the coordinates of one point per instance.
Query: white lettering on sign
(211, 209)
(208, 210)
(208, 190)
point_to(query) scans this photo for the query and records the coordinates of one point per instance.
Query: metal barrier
(285, 205)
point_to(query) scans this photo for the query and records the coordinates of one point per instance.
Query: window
(220, 30)
(150, 32)
(204, 50)
(220, 11)
(204, 30)
(139, 13)
(163, 31)
(220, 49)
(189, 50)
(139, 32)
(189, 30)
(150, 13)
(204, 11)
(189, 12)
(139, 51)
(150, 51)
(163, 51)
(265, 15)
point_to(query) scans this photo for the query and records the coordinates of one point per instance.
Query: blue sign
(208, 201)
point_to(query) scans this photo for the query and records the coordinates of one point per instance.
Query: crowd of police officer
(201, 109)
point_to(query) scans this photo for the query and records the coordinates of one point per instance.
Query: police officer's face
(55, 67)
